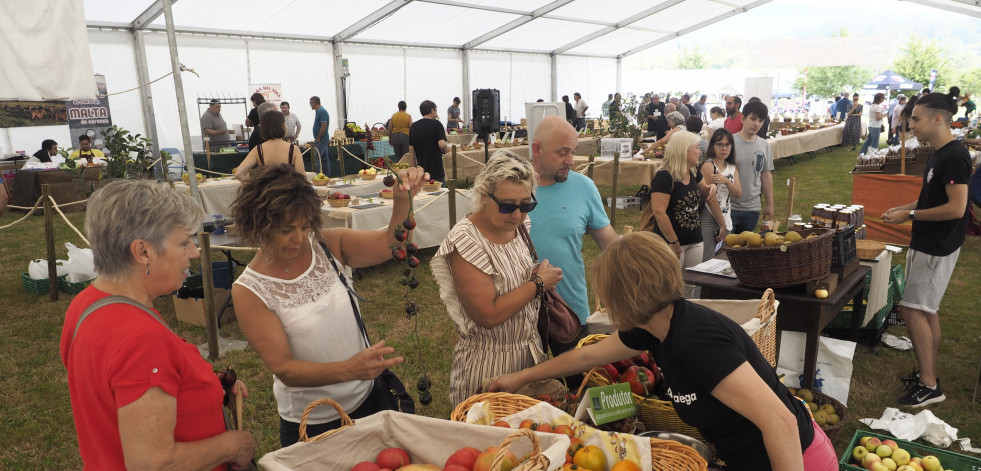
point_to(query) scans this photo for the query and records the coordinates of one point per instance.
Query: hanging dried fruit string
(404, 250)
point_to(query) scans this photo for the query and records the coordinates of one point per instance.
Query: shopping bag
(80, 265)
(38, 269)
(833, 373)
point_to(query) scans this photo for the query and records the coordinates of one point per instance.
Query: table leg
(810, 349)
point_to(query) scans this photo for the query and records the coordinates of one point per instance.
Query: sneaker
(911, 380)
(922, 395)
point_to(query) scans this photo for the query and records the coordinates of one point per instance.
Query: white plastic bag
(80, 265)
(38, 269)
(834, 364)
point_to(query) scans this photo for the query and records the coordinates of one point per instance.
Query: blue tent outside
(892, 81)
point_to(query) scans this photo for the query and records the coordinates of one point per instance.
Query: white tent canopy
(408, 50)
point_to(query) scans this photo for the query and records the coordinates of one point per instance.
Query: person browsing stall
(488, 281)
(142, 397)
(719, 168)
(427, 142)
(293, 125)
(49, 148)
(275, 148)
(293, 307)
(212, 124)
(755, 164)
(715, 376)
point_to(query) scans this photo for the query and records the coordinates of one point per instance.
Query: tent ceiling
(612, 28)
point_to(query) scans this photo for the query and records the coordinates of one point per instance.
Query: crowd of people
(296, 308)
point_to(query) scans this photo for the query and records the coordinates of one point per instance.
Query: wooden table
(799, 311)
(26, 187)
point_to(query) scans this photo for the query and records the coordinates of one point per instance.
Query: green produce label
(611, 403)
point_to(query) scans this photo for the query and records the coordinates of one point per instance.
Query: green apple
(905, 468)
(900, 456)
(878, 467)
(931, 463)
(915, 465)
(859, 453)
(884, 451)
(890, 464)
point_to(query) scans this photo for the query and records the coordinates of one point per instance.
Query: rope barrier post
(208, 279)
(453, 155)
(613, 190)
(589, 170)
(451, 184)
(49, 241)
(340, 158)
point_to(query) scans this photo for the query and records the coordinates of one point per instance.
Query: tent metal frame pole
(146, 99)
(175, 66)
(339, 88)
(619, 73)
(554, 83)
(466, 97)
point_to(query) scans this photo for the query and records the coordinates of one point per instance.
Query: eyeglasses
(508, 208)
(724, 145)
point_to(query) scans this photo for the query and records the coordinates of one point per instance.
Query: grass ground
(35, 413)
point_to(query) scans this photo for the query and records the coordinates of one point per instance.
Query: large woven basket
(654, 413)
(784, 265)
(832, 431)
(666, 455)
(869, 249)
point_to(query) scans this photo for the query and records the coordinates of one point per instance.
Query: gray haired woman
(488, 280)
(128, 374)
(676, 121)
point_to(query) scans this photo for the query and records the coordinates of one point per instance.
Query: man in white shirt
(895, 119)
(580, 108)
(293, 125)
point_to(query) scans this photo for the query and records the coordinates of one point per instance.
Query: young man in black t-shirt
(427, 142)
(939, 218)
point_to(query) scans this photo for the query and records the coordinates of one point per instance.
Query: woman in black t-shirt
(715, 376)
(675, 198)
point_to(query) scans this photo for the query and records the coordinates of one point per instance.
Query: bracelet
(539, 286)
(672, 243)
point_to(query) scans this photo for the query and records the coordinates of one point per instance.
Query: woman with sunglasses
(489, 281)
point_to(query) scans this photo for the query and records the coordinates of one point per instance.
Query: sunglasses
(508, 208)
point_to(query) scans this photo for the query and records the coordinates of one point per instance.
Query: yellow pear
(792, 236)
(753, 240)
(734, 240)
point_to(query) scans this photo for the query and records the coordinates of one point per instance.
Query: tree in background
(970, 81)
(693, 59)
(919, 56)
(832, 80)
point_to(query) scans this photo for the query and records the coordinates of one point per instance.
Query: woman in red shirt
(142, 397)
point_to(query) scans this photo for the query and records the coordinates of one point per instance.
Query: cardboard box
(624, 202)
(191, 310)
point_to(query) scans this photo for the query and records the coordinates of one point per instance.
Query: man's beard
(561, 177)
(730, 112)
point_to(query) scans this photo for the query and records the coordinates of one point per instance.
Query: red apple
(392, 458)
(892, 443)
(869, 459)
(366, 466)
(464, 457)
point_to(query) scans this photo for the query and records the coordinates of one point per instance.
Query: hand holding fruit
(411, 180)
(506, 383)
(551, 276)
(371, 362)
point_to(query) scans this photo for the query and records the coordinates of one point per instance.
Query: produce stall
(225, 162)
(26, 187)
(802, 142)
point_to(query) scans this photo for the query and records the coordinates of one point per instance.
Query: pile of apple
(589, 458)
(640, 372)
(336, 195)
(320, 176)
(886, 455)
(368, 173)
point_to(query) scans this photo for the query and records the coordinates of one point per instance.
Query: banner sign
(610, 403)
(933, 78)
(18, 114)
(90, 116)
(272, 92)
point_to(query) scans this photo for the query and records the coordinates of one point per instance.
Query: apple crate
(426, 439)
(949, 459)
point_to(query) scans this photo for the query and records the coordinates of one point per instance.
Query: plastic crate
(72, 288)
(37, 287)
(843, 247)
(948, 459)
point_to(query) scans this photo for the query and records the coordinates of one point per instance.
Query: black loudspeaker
(487, 110)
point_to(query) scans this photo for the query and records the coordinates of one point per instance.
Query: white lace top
(319, 323)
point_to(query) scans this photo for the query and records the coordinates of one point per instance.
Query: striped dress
(482, 353)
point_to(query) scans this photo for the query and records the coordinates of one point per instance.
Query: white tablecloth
(431, 213)
(217, 195)
(807, 141)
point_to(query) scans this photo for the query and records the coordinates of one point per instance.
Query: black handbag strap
(351, 294)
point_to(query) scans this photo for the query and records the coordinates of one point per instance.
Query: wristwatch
(911, 214)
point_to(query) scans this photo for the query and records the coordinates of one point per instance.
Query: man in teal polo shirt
(569, 206)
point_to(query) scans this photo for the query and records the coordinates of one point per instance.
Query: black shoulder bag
(391, 387)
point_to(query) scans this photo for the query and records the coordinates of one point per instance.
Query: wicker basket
(431, 187)
(665, 454)
(654, 413)
(339, 203)
(869, 249)
(320, 182)
(367, 176)
(832, 431)
(784, 265)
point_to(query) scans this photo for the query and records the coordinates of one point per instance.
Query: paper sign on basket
(609, 403)
(625, 148)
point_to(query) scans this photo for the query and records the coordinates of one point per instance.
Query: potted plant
(129, 154)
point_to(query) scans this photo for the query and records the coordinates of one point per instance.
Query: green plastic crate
(949, 459)
(38, 287)
(897, 282)
(844, 318)
(72, 288)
